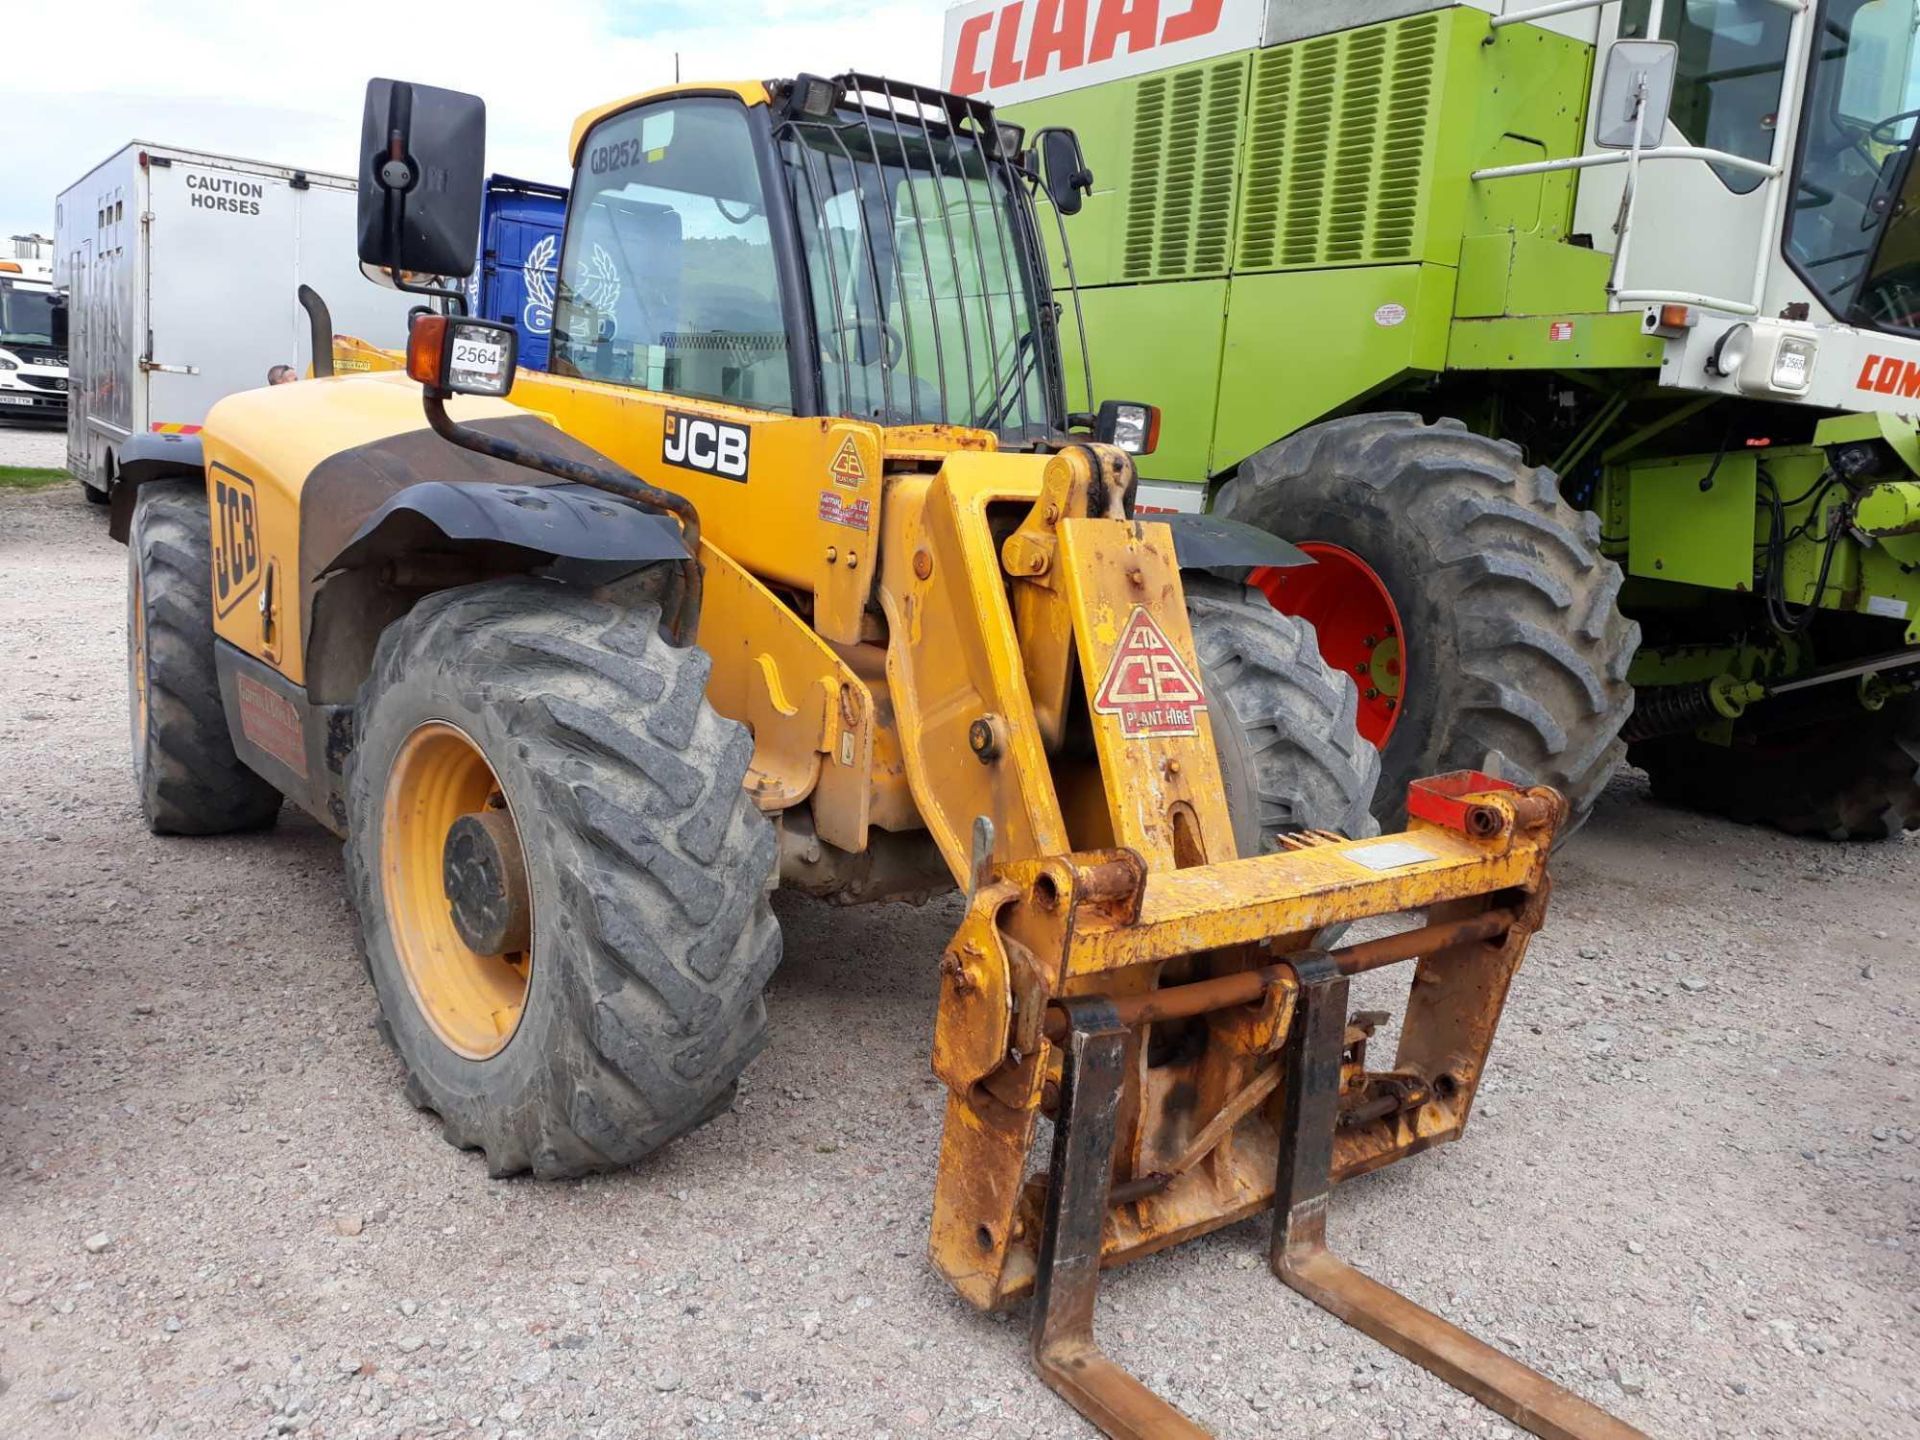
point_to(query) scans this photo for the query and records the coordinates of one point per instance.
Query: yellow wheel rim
(473, 1001)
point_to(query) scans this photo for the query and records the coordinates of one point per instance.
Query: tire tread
(661, 866)
(191, 780)
(1543, 647)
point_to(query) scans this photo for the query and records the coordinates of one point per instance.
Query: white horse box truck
(182, 272)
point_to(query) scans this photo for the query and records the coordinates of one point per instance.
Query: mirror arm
(396, 215)
(601, 477)
(1079, 314)
(457, 298)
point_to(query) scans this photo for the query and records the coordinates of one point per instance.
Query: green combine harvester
(1577, 342)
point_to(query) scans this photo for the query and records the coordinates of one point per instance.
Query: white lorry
(181, 272)
(33, 343)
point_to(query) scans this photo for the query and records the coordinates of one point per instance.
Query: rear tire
(190, 780)
(1854, 777)
(1516, 653)
(648, 869)
(1283, 720)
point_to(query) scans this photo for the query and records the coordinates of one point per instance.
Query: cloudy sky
(283, 82)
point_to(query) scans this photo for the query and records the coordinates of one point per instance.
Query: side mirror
(1063, 170)
(1636, 91)
(455, 356)
(422, 167)
(59, 323)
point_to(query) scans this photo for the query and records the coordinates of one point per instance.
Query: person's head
(281, 375)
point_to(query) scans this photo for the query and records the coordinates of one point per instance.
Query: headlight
(1134, 427)
(9, 360)
(1730, 351)
(1793, 364)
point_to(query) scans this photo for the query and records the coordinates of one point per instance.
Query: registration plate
(16, 400)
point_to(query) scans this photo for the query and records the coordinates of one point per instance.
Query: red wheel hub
(1357, 621)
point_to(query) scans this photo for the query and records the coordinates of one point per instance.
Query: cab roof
(749, 92)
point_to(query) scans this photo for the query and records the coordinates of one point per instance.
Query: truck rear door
(520, 244)
(83, 359)
(220, 286)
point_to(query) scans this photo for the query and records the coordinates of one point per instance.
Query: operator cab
(856, 247)
(1787, 265)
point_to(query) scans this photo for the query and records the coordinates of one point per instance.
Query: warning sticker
(854, 514)
(847, 467)
(1560, 330)
(1148, 685)
(272, 722)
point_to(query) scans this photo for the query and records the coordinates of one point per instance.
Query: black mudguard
(571, 522)
(141, 458)
(1210, 542)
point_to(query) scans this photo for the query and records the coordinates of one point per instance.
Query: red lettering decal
(968, 77)
(1888, 380)
(1059, 32)
(1865, 382)
(1202, 19)
(1005, 69)
(1910, 380)
(1135, 21)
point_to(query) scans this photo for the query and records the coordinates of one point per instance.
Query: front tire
(1514, 654)
(629, 1009)
(190, 780)
(1283, 720)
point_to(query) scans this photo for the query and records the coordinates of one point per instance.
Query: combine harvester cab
(794, 567)
(1577, 343)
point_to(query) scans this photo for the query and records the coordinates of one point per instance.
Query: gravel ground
(40, 447)
(1689, 1191)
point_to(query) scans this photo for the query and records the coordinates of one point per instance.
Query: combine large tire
(1851, 777)
(561, 884)
(1283, 720)
(1468, 599)
(190, 780)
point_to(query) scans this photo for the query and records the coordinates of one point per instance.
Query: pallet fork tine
(1300, 1256)
(1066, 1286)
(1067, 1283)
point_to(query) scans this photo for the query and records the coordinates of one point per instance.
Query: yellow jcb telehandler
(795, 570)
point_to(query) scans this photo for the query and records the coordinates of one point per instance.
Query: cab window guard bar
(968, 128)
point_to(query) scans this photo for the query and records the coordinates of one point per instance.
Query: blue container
(519, 257)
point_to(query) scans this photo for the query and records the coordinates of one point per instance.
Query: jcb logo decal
(694, 442)
(1889, 375)
(236, 539)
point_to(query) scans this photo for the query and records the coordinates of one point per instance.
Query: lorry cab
(33, 344)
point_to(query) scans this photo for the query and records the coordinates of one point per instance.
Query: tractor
(793, 570)
(1575, 341)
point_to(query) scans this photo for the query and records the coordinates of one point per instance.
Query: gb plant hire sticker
(847, 467)
(1148, 685)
